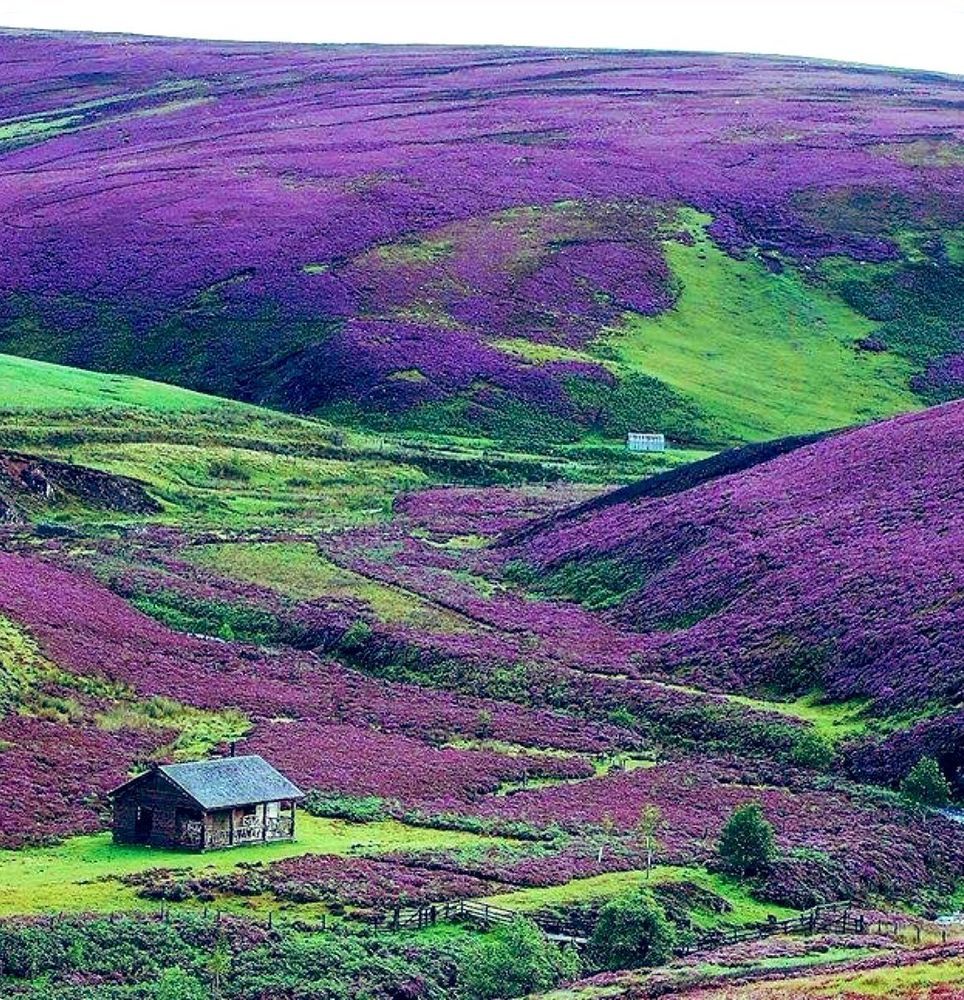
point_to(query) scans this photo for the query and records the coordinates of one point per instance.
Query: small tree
(746, 845)
(514, 960)
(632, 931)
(925, 783)
(648, 829)
(483, 724)
(608, 826)
(219, 965)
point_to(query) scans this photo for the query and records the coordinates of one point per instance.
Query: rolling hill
(514, 244)
(835, 566)
(315, 366)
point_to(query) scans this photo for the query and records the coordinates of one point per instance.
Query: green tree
(219, 965)
(812, 750)
(746, 845)
(648, 830)
(925, 783)
(513, 961)
(176, 984)
(632, 931)
(608, 827)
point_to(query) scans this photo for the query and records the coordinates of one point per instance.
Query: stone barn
(207, 805)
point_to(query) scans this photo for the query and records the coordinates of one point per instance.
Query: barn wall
(125, 820)
(154, 792)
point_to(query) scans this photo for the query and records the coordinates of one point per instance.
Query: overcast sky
(918, 34)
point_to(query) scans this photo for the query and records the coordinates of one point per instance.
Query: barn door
(144, 824)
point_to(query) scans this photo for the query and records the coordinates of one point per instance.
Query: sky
(914, 34)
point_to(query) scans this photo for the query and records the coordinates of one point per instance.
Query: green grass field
(298, 570)
(37, 385)
(745, 909)
(75, 875)
(763, 355)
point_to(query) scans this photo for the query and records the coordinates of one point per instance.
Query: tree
(219, 965)
(608, 826)
(813, 751)
(176, 984)
(632, 931)
(513, 961)
(483, 724)
(925, 783)
(746, 845)
(648, 828)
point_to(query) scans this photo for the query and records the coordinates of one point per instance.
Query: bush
(357, 635)
(354, 808)
(813, 751)
(925, 784)
(746, 845)
(514, 961)
(632, 931)
(176, 984)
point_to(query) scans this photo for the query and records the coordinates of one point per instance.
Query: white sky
(918, 34)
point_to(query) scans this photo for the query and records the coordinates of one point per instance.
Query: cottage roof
(224, 782)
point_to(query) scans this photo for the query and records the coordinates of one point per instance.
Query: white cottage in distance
(637, 441)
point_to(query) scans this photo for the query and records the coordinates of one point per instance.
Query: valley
(317, 368)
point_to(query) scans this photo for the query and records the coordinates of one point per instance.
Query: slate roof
(224, 782)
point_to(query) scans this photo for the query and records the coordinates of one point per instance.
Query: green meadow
(762, 354)
(77, 874)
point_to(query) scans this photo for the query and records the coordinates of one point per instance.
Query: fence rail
(832, 917)
(836, 918)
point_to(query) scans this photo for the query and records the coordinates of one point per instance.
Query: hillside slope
(499, 242)
(839, 566)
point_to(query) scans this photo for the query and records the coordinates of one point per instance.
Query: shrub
(925, 784)
(514, 961)
(356, 636)
(176, 984)
(354, 808)
(632, 931)
(229, 468)
(813, 751)
(746, 845)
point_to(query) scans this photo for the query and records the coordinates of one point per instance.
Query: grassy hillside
(229, 464)
(451, 258)
(763, 354)
(376, 521)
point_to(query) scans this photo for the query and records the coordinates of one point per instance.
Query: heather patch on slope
(837, 566)
(401, 216)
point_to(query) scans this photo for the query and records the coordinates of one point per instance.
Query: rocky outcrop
(29, 484)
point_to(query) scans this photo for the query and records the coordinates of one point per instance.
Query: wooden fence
(834, 918)
(831, 918)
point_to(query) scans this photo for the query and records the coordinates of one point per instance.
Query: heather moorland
(317, 368)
